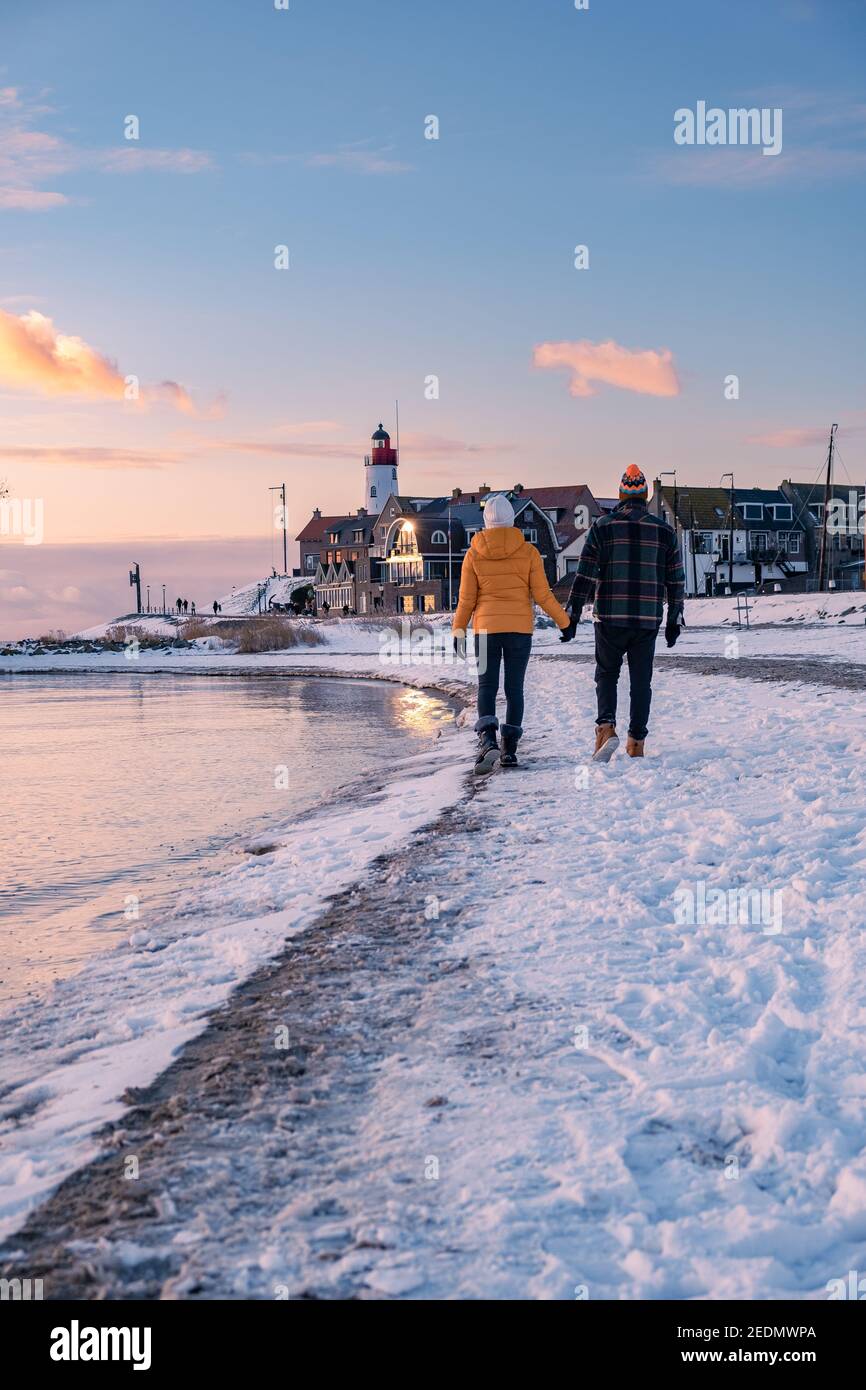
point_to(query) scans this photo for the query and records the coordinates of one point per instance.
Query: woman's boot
(488, 749)
(510, 737)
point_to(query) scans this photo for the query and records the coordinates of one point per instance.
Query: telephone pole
(828, 484)
(281, 489)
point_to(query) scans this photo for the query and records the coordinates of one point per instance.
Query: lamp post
(281, 489)
(730, 532)
(163, 598)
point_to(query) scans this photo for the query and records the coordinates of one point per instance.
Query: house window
(439, 538)
(310, 563)
(470, 532)
(394, 474)
(783, 511)
(531, 534)
(753, 511)
(358, 537)
(793, 539)
(333, 537)
(704, 543)
(759, 540)
(373, 490)
(339, 557)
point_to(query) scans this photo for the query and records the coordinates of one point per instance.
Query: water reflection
(132, 785)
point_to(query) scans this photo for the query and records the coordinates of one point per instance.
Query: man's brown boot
(606, 742)
(634, 747)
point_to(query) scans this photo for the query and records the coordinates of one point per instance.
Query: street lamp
(730, 531)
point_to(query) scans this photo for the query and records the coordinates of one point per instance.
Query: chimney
(483, 490)
(362, 511)
(457, 492)
(317, 515)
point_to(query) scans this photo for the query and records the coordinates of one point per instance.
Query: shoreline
(235, 926)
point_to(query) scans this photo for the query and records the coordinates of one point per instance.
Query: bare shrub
(196, 627)
(273, 634)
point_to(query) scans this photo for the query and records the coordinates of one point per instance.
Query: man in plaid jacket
(631, 563)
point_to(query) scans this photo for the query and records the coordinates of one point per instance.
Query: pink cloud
(414, 445)
(360, 161)
(29, 158)
(30, 199)
(35, 357)
(647, 372)
(739, 167)
(89, 456)
(799, 438)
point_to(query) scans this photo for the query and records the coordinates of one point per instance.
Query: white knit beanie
(498, 511)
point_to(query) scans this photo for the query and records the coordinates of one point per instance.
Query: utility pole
(730, 534)
(672, 473)
(822, 562)
(135, 583)
(281, 489)
(163, 598)
(694, 556)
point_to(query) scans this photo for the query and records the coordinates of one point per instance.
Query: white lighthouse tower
(380, 472)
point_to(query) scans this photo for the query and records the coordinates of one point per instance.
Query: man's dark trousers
(613, 642)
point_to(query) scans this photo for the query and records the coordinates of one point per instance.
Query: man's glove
(567, 633)
(459, 640)
(672, 632)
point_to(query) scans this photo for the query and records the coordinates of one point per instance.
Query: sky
(159, 372)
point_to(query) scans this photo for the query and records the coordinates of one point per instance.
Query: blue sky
(412, 257)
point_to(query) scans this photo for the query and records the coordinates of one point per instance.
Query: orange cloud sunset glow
(649, 373)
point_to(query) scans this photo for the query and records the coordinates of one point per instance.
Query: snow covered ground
(643, 1074)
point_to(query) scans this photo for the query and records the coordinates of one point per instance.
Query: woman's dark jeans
(492, 649)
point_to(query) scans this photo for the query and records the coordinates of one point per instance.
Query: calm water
(138, 784)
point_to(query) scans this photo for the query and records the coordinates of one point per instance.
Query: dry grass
(273, 634)
(196, 627)
(55, 635)
(126, 632)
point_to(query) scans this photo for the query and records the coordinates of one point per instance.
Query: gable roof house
(572, 509)
(768, 541)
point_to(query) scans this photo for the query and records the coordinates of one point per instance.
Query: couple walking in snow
(630, 563)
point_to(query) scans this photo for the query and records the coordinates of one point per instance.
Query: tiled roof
(317, 526)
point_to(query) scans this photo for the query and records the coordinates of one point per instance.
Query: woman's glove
(567, 633)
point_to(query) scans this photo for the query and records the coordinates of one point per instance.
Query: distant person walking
(180, 605)
(192, 608)
(502, 576)
(630, 562)
(216, 607)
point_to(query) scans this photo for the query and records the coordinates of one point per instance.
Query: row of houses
(403, 553)
(766, 538)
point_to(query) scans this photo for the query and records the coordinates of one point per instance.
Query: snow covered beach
(528, 1051)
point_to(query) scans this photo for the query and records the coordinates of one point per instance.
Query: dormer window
(439, 538)
(753, 511)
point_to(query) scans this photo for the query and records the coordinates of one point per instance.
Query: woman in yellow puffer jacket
(502, 576)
